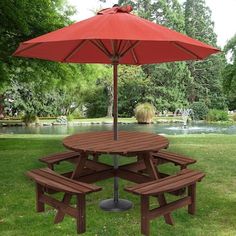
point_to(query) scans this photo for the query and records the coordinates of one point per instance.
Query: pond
(171, 129)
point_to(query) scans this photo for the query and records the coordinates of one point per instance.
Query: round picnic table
(129, 143)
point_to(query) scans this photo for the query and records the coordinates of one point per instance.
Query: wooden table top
(128, 142)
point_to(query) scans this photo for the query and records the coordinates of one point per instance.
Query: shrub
(144, 113)
(70, 117)
(29, 118)
(234, 117)
(200, 110)
(217, 115)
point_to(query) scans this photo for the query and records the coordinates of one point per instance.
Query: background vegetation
(42, 88)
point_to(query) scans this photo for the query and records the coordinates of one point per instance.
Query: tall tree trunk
(1, 106)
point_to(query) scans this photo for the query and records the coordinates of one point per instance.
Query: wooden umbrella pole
(115, 101)
(115, 128)
(115, 203)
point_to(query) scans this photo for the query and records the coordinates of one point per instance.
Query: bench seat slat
(58, 180)
(69, 181)
(169, 184)
(174, 157)
(58, 157)
(49, 178)
(175, 186)
(146, 184)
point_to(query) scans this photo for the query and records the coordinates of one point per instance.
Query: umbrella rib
(134, 54)
(129, 48)
(118, 48)
(101, 47)
(75, 50)
(123, 47)
(182, 48)
(115, 56)
(24, 49)
(113, 45)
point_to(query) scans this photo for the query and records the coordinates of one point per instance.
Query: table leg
(153, 172)
(75, 175)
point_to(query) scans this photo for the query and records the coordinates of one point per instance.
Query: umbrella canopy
(115, 34)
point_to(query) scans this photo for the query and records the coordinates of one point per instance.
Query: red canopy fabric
(119, 35)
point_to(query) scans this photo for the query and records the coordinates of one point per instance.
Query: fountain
(185, 114)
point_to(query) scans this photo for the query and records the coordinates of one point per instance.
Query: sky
(223, 14)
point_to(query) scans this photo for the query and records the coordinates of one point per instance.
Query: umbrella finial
(115, 9)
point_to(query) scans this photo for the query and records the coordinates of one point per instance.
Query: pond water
(172, 129)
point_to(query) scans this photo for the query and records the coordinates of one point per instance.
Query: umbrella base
(111, 205)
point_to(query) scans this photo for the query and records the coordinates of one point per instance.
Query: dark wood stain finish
(47, 178)
(185, 178)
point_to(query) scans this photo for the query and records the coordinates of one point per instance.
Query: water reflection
(154, 128)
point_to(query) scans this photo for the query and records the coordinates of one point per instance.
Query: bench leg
(145, 228)
(95, 157)
(40, 206)
(192, 194)
(162, 202)
(81, 210)
(51, 166)
(60, 214)
(153, 172)
(67, 197)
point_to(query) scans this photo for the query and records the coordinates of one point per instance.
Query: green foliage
(217, 115)
(134, 88)
(98, 92)
(70, 117)
(22, 20)
(168, 88)
(29, 118)
(230, 73)
(200, 110)
(96, 102)
(144, 113)
(170, 14)
(234, 117)
(206, 75)
(34, 98)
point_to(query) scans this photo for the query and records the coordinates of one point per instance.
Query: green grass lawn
(216, 194)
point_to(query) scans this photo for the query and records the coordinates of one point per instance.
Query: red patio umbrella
(115, 36)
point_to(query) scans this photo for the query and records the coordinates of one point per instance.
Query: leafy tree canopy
(230, 73)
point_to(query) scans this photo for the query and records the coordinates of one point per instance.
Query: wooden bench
(47, 178)
(185, 178)
(178, 159)
(56, 158)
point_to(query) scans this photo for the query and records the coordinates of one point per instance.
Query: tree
(20, 21)
(25, 19)
(206, 77)
(169, 79)
(98, 92)
(134, 87)
(105, 80)
(230, 73)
